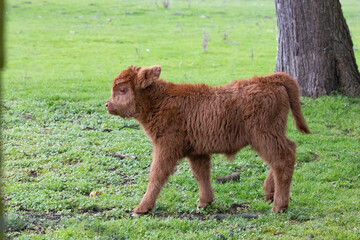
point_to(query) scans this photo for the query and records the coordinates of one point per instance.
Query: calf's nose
(106, 104)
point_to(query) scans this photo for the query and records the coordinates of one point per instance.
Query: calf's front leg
(161, 168)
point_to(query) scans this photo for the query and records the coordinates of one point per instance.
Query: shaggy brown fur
(195, 121)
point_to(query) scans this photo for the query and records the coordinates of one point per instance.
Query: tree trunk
(315, 47)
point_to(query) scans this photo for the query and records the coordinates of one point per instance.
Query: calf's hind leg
(200, 166)
(279, 154)
(269, 187)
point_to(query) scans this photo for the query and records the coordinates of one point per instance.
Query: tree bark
(315, 47)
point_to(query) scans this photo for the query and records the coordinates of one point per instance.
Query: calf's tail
(292, 88)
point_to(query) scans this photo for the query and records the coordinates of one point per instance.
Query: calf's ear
(147, 75)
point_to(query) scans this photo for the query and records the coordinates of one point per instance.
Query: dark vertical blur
(2, 219)
(2, 9)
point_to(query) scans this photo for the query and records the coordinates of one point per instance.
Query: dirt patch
(126, 180)
(39, 222)
(88, 129)
(314, 156)
(237, 207)
(239, 210)
(33, 174)
(27, 117)
(121, 156)
(232, 177)
(330, 126)
(241, 169)
(34, 221)
(136, 127)
(106, 130)
(206, 217)
(71, 161)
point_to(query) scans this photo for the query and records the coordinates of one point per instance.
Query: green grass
(61, 59)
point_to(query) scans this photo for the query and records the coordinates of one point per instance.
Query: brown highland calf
(196, 120)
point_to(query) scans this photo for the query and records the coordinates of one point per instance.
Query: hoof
(139, 211)
(200, 209)
(133, 214)
(269, 198)
(203, 206)
(278, 209)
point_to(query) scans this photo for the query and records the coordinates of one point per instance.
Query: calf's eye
(122, 91)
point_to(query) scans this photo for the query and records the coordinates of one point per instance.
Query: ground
(73, 171)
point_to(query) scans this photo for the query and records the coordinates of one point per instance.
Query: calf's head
(127, 87)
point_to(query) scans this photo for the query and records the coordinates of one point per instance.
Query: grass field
(58, 138)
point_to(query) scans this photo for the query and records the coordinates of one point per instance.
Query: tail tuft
(301, 124)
